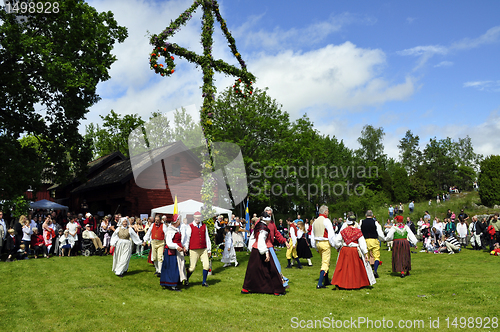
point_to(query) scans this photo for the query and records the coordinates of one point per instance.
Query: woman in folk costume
(229, 254)
(262, 276)
(352, 271)
(120, 240)
(173, 270)
(303, 250)
(401, 260)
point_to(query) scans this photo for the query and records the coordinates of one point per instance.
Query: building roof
(121, 172)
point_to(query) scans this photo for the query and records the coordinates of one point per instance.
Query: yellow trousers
(194, 255)
(292, 251)
(324, 250)
(157, 250)
(374, 247)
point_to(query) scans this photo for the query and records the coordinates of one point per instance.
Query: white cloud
(428, 51)
(410, 20)
(491, 36)
(339, 77)
(444, 64)
(483, 85)
(280, 39)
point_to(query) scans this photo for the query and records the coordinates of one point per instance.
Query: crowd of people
(45, 234)
(358, 242)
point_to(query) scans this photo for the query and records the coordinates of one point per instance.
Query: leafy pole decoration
(242, 86)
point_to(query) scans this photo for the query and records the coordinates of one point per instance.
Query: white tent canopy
(46, 204)
(187, 207)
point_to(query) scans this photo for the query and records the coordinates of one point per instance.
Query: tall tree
(372, 147)
(409, 154)
(401, 185)
(489, 181)
(50, 66)
(114, 133)
(440, 164)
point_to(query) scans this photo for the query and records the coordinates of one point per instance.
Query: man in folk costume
(262, 276)
(372, 232)
(322, 239)
(200, 247)
(292, 245)
(156, 234)
(173, 271)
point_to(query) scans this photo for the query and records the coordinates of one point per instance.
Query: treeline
(292, 167)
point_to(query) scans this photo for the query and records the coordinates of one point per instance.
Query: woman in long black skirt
(262, 276)
(303, 250)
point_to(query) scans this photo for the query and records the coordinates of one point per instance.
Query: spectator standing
(462, 233)
(411, 206)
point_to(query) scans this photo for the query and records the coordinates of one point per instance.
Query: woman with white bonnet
(173, 271)
(120, 240)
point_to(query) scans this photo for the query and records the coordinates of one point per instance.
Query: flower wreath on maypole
(242, 87)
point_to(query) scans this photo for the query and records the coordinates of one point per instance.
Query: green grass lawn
(82, 294)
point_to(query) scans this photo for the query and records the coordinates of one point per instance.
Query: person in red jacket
(37, 243)
(200, 247)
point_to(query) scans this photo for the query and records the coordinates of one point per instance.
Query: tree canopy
(50, 66)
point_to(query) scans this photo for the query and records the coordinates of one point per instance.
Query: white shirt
(331, 234)
(72, 227)
(462, 230)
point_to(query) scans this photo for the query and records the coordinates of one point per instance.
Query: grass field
(82, 294)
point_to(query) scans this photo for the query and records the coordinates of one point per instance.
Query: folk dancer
(352, 270)
(156, 234)
(322, 239)
(262, 276)
(122, 240)
(173, 271)
(372, 233)
(275, 235)
(200, 247)
(401, 259)
(292, 245)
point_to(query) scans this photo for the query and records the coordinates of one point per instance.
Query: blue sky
(428, 66)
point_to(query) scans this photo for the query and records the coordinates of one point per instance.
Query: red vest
(157, 232)
(177, 240)
(198, 239)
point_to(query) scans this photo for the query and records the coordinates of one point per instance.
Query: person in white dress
(229, 254)
(122, 240)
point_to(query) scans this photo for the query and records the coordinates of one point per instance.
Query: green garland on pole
(242, 87)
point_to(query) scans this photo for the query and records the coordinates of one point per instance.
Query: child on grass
(229, 254)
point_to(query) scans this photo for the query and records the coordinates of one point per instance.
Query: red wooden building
(113, 186)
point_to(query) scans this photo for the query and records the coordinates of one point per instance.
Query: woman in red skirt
(401, 260)
(351, 270)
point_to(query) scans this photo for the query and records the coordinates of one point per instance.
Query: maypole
(242, 86)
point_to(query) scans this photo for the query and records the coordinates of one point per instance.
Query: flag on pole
(176, 209)
(247, 218)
